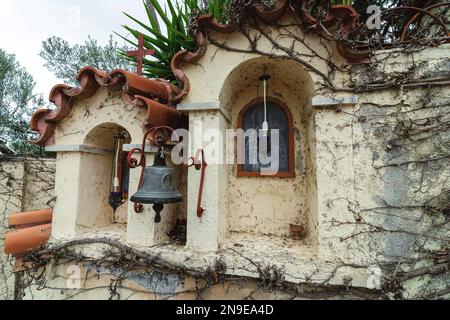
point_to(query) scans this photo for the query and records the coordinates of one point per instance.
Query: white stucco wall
(83, 179)
(269, 205)
(364, 170)
(360, 190)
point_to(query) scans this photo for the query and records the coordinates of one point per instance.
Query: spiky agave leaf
(175, 20)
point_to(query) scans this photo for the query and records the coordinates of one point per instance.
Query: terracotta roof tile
(159, 114)
(63, 97)
(337, 13)
(134, 84)
(91, 79)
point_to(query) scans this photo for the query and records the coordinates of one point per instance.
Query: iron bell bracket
(159, 137)
(199, 164)
(134, 163)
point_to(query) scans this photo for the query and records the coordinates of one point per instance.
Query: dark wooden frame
(291, 172)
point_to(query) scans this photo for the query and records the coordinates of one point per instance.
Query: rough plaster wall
(390, 163)
(353, 146)
(391, 178)
(39, 184)
(93, 207)
(411, 170)
(401, 162)
(25, 185)
(207, 233)
(349, 146)
(269, 205)
(93, 122)
(398, 176)
(144, 285)
(65, 210)
(311, 173)
(334, 180)
(103, 137)
(104, 107)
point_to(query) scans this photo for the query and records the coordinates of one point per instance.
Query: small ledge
(205, 106)
(78, 148)
(321, 101)
(114, 231)
(148, 148)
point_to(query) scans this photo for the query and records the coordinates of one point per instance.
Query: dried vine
(127, 259)
(255, 32)
(410, 143)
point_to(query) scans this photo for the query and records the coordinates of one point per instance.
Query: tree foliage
(17, 101)
(65, 60)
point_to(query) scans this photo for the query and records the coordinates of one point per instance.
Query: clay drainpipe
(24, 240)
(32, 218)
(31, 230)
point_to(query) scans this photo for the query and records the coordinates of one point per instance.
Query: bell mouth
(152, 200)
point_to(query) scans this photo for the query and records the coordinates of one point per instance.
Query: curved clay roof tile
(63, 96)
(159, 114)
(273, 15)
(135, 84)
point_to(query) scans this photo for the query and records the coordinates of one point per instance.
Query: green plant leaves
(168, 32)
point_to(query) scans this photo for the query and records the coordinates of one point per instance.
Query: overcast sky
(24, 24)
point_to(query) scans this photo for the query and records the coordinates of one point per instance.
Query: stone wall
(25, 185)
(376, 165)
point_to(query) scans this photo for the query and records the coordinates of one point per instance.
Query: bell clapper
(158, 208)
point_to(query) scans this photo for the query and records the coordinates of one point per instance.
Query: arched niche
(270, 205)
(96, 176)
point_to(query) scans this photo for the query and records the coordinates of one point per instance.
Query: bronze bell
(158, 186)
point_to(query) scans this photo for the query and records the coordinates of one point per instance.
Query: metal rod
(265, 100)
(199, 165)
(116, 182)
(265, 126)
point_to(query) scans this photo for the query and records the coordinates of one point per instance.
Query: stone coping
(205, 106)
(94, 150)
(148, 148)
(78, 148)
(322, 101)
(318, 101)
